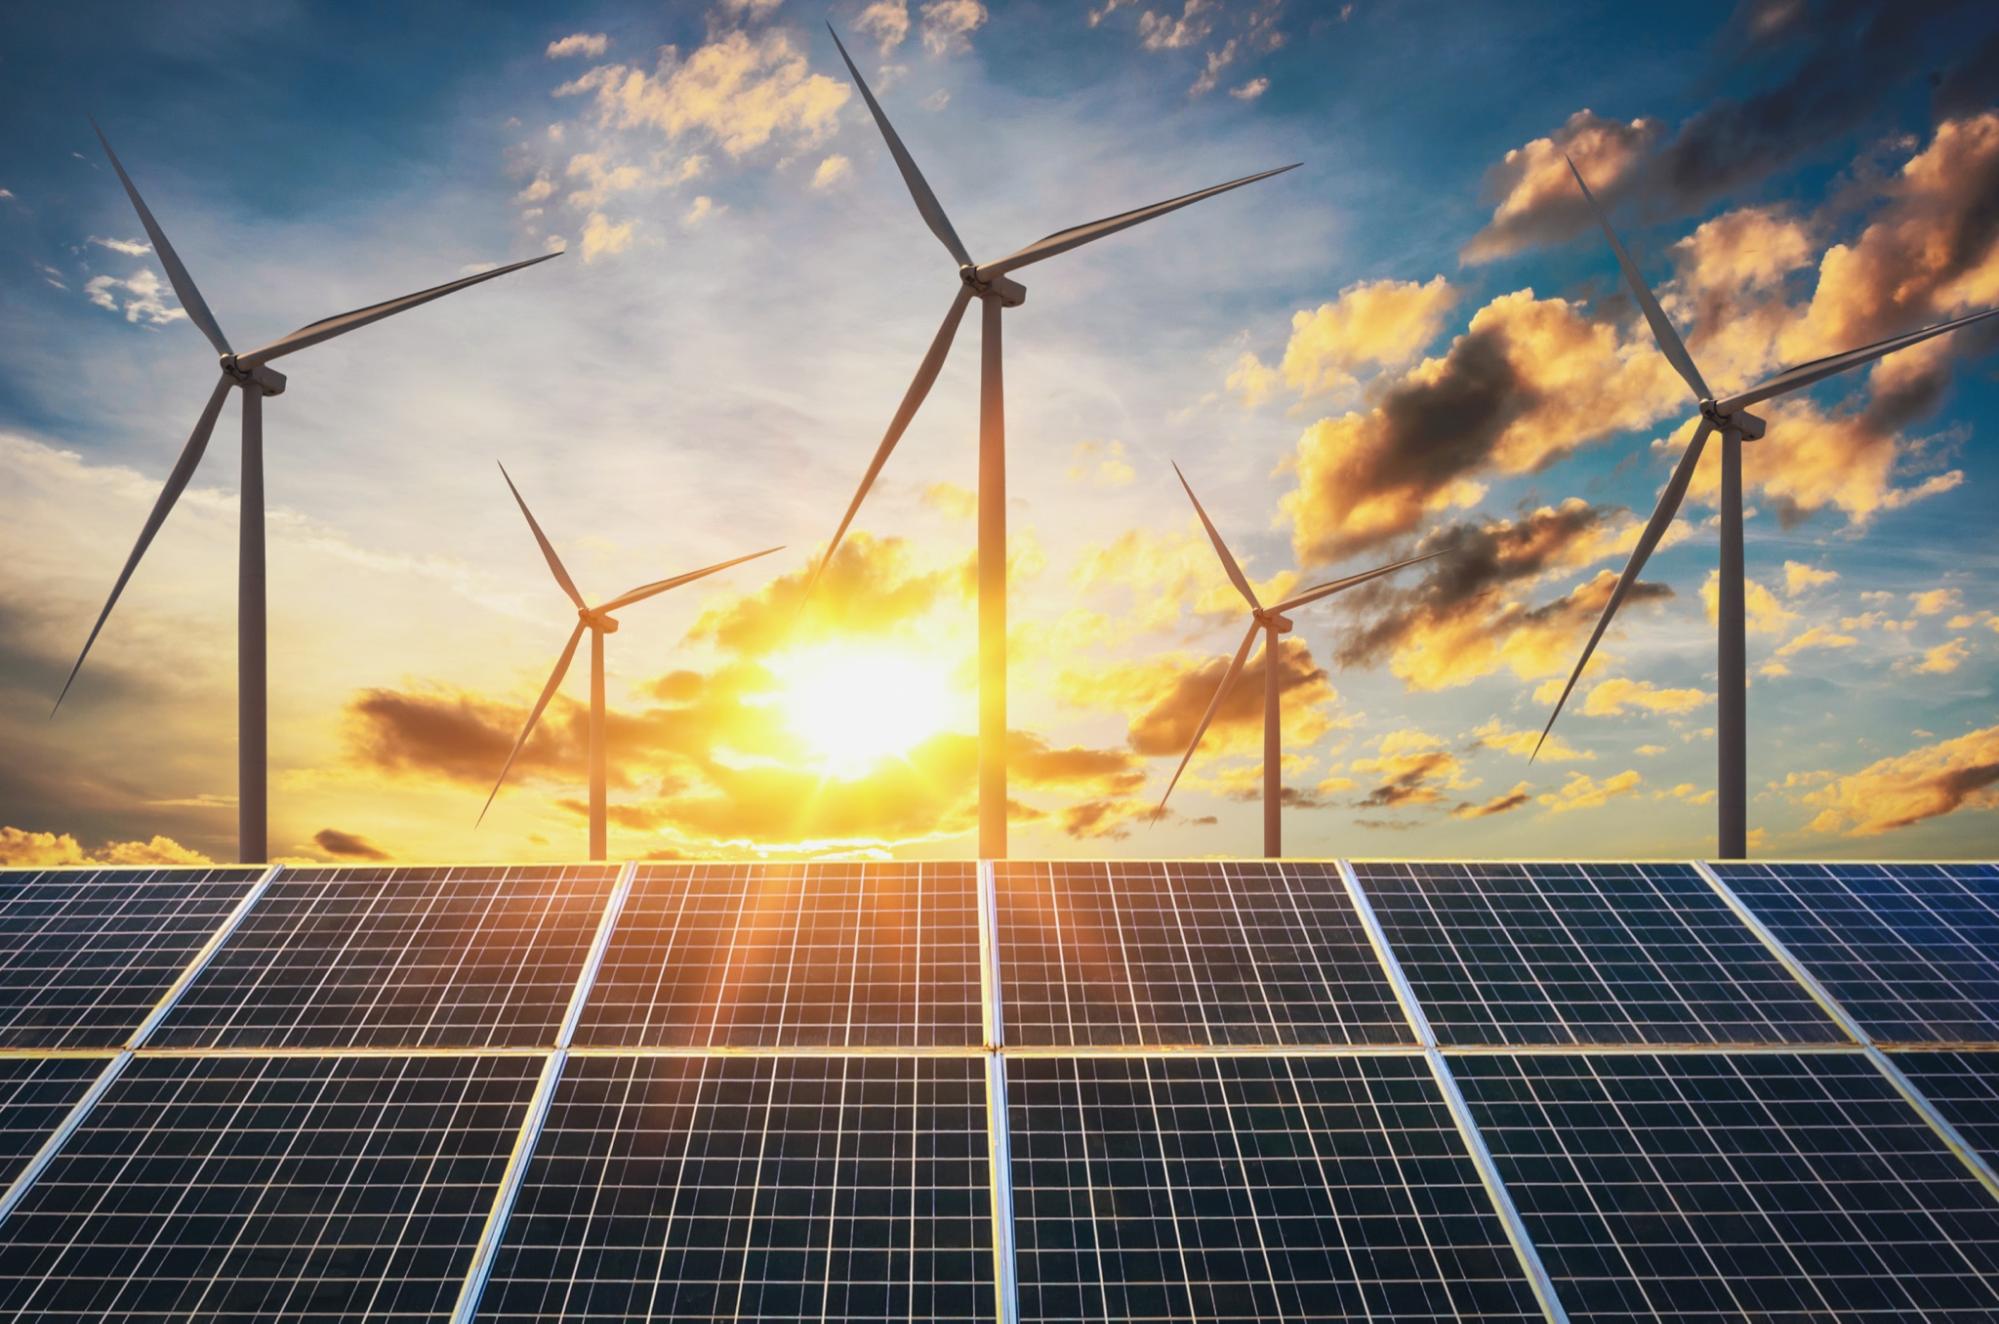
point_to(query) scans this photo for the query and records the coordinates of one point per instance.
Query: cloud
(948, 25)
(1798, 577)
(539, 189)
(1530, 381)
(1251, 90)
(1492, 735)
(1905, 789)
(1463, 619)
(1516, 798)
(1618, 694)
(1843, 57)
(142, 298)
(1581, 791)
(579, 43)
(1174, 697)
(1935, 601)
(1164, 32)
(1412, 769)
(128, 247)
(1100, 464)
(1818, 636)
(1251, 380)
(887, 21)
(346, 845)
(1163, 575)
(739, 91)
(1381, 324)
(603, 237)
(831, 171)
(1945, 658)
(22, 849)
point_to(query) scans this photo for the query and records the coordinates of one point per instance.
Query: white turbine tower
(251, 374)
(1730, 417)
(599, 622)
(1273, 622)
(993, 286)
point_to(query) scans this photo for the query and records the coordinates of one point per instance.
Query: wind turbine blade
(645, 591)
(184, 290)
(1236, 576)
(919, 188)
(547, 549)
(1228, 679)
(1655, 529)
(547, 693)
(926, 374)
(184, 467)
(1662, 330)
(328, 328)
(1076, 236)
(1351, 581)
(1791, 379)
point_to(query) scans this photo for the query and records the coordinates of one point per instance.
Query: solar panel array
(1238, 1090)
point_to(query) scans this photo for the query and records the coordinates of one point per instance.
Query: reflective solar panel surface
(85, 954)
(1721, 1187)
(1257, 1188)
(816, 955)
(1584, 954)
(846, 1188)
(36, 1093)
(1910, 950)
(469, 957)
(1964, 1087)
(1188, 952)
(303, 1188)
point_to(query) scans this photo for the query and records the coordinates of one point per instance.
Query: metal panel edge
(488, 1247)
(1377, 937)
(222, 934)
(1006, 1286)
(60, 1136)
(586, 978)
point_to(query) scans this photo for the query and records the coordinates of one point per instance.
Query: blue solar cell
(36, 1093)
(1911, 951)
(1964, 1088)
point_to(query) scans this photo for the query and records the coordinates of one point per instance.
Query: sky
(1416, 342)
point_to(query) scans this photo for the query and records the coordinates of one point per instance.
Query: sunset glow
(855, 706)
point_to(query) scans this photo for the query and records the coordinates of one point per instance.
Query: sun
(856, 705)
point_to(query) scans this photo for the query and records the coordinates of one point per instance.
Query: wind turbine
(599, 622)
(991, 284)
(251, 374)
(1730, 417)
(1273, 622)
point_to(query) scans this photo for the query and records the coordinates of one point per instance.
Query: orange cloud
(1905, 789)
(1611, 697)
(1581, 791)
(1516, 798)
(1381, 324)
(21, 849)
(1536, 197)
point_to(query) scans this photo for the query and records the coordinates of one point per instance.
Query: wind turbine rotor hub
(268, 380)
(1011, 293)
(1270, 620)
(597, 621)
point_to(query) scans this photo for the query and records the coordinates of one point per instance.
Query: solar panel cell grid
(1721, 1187)
(1910, 950)
(35, 1095)
(1584, 954)
(782, 956)
(1208, 953)
(1964, 1088)
(471, 957)
(1304, 1188)
(85, 954)
(332, 1189)
(847, 1188)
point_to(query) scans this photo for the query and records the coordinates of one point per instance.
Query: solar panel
(1964, 1087)
(1584, 954)
(36, 1093)
(734, 1188)
(781, 956)
(1910, 950)
(1705, 1186)
(85, 954)
(298, 1188)
(476, 956)
(1250, 1188)
(1209, 953)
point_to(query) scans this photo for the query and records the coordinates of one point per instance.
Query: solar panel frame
(86, 955)
(1299, 1186)
(775, 1186)
(36, 1095)
(1909, 951)
(1711, 1185)
(1963, 1086)
(398, 957)
(298, 1187)
(1526, 954)
(1198, 953)
(886, 955)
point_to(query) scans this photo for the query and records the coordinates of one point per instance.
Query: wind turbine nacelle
(265, 378)
(599, 622)
(1746, 423)
(1011, 293)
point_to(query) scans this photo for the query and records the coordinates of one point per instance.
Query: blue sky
(746, 290)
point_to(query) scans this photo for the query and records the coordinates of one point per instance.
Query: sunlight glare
(855, 706)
